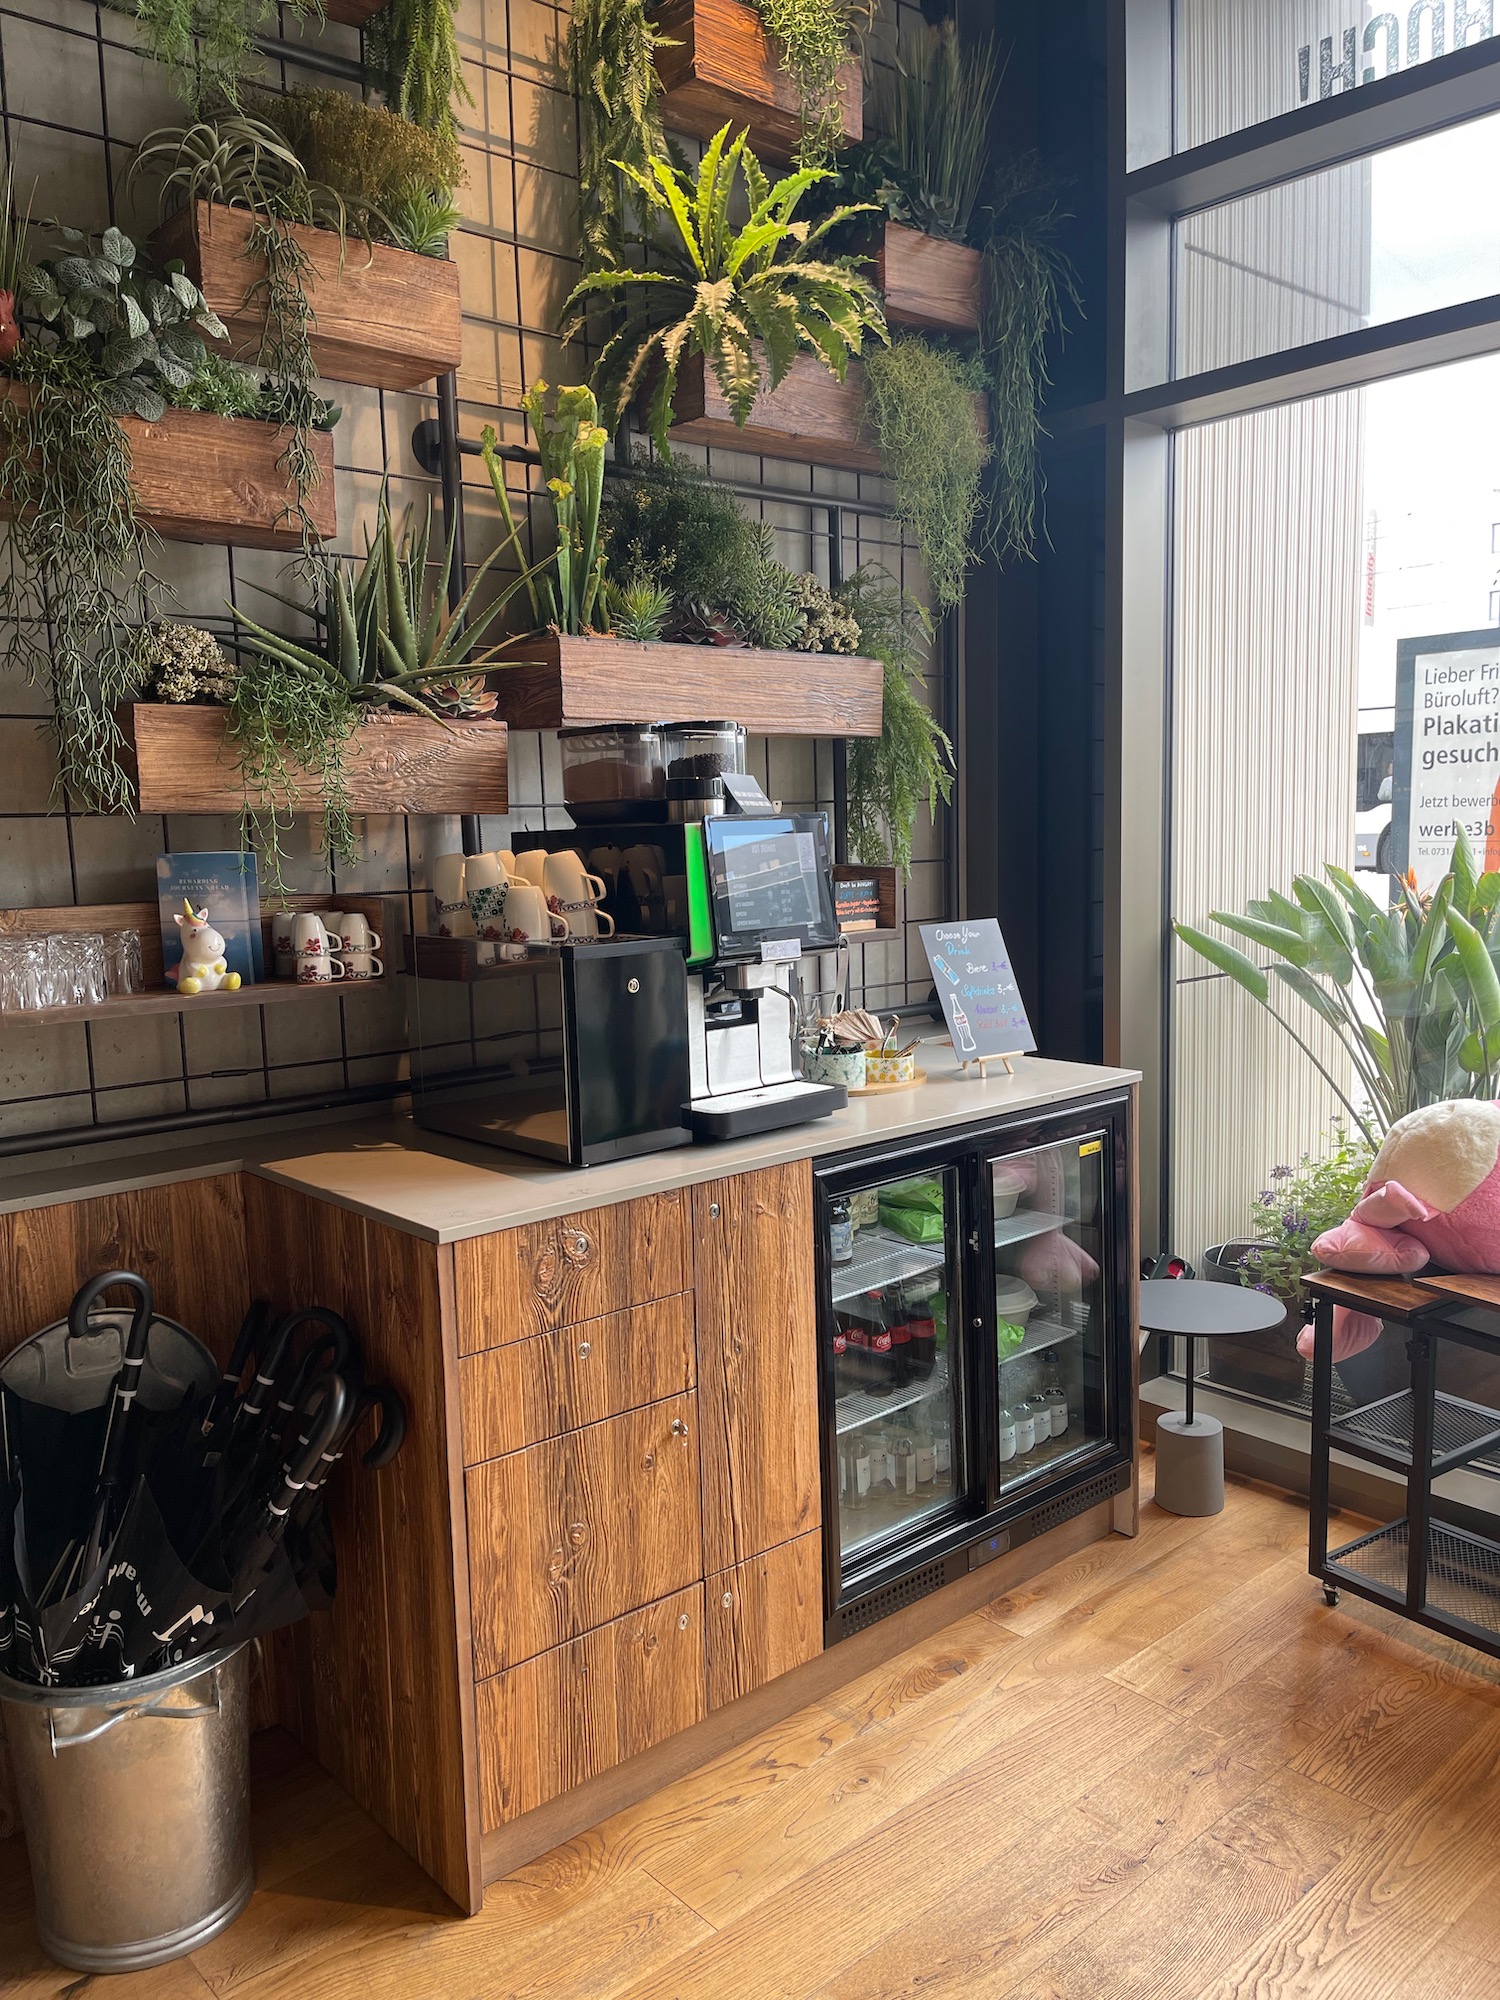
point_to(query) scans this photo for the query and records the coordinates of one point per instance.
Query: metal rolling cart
(1430, 1565)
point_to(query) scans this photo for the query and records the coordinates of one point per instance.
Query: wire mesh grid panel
(76, 95)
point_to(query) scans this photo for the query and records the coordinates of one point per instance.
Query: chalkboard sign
(980, 1000)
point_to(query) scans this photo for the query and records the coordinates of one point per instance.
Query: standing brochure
(228, 885)
(981, 1002)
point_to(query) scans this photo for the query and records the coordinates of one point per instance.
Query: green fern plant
(612, 50)
(748, 299)
(411, 56)
(208, 46)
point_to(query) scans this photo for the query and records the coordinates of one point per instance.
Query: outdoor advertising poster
(1447, 752)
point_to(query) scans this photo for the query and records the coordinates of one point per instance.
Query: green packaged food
(914, 1209)
(1009, 1339)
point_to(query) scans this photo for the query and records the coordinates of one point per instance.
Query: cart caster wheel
(1330, 1596)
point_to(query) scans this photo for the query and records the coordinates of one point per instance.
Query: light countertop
(445, 1189)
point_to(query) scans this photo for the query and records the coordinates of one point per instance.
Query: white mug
(528, 916)
(333, 922)
(452, 917)
(313, 951)
(357, 935)
(573, 892)
(531, 867)
(485, 887)
(283, 951)
(361, 965)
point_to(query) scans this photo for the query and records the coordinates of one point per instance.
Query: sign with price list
(980, 1000)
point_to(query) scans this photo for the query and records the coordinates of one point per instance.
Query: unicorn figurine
(203, 969)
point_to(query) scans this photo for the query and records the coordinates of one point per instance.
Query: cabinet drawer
(580, 1709)
(534, 1389)
(576, 1267)
(764, 1617)
(757, 1362)
(570, 1534)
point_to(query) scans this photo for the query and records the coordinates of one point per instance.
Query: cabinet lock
(727, 1600)
(679, 1428)
(713, 1210)
(584, 1350)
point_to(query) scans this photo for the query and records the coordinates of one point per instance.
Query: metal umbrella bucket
(135, 1798)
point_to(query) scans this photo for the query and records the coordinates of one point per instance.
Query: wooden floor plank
(1163, 1771)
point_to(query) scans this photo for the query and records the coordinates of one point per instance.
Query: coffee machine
(746, 892)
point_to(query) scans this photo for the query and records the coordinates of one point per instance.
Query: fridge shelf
(1040, 1334)
(866, 1406)
(1026, 1223)
(881, 1257)
(1017, 1471)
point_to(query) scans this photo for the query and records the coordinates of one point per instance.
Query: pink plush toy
(1433, 1197)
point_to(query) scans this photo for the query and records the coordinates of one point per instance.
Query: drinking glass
(76, 969)
(122, 962)
(23, 971)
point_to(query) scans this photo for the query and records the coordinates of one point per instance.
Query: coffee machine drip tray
(771, 1108)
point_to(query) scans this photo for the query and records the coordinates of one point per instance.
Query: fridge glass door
(1052, 1231)
(893, 1257)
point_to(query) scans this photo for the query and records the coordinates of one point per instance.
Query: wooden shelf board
(724, 71)
(127, 1006)
(559, 683)
(392, 763)
(384, 317)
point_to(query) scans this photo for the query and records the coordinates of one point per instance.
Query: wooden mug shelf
(158, 998)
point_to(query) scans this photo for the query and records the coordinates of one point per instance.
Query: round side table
(1190, 1448)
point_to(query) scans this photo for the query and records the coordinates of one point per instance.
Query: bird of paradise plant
(1411, 992)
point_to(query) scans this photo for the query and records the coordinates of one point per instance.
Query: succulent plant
(640, 607)
(181, 663)
(828, 624)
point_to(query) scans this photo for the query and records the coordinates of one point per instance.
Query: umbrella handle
(126, 1382)
(88, 1296)
(392, 1425)
(332, 1353)
(268, 1364)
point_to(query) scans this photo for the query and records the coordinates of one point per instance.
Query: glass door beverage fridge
(975, 1348)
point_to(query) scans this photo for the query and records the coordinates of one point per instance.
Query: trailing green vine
(910, 764)
(286, 354)
(815, 39)
(75, 583)
(920, 400)
(612, 47)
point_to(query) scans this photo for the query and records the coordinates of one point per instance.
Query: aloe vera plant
(570, 442)
(749, 299)
(1411, 992)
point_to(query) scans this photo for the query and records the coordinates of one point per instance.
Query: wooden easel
(978, 1062)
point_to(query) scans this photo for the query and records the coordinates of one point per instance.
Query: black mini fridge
(974, 1336)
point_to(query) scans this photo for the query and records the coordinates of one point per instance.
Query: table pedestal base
(1190, 1464)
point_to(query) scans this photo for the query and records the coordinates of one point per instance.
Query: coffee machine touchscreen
(770, 881)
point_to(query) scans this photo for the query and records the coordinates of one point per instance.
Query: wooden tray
(880, 1089)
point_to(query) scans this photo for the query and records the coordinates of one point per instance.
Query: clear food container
(611, 774)
(702, 749)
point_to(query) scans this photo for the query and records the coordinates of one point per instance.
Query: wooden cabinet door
(575, 1532)
(562, 1718)
(757, 1361)
(764, 1617)
(548, 1274)
(530, 1390)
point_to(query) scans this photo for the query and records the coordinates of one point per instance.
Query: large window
(1306, 538)
(1240, 62)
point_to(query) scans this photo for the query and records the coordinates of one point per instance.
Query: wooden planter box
(352, 13)
(812, 417)
(724, 72)
(559, 682)
(928, 281)
(386, 318)
(184, 762)
(199, 478)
